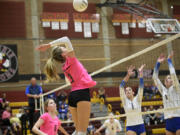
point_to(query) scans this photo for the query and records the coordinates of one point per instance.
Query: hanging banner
(51, 19)
(116, 23)
(78, 26)
(54, 17)
(125, 28)
(87, 30)
(141, 25)
(95, 27)
(64, 25)
(132, 25)
(86, 19)
(46, 24)
(55, 25)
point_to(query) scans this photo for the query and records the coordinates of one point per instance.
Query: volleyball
(80, 5)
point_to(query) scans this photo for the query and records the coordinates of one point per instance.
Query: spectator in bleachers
(52, 96)
(153, 118)
(24, 119)
(6, 120)
(33, 92)
(69, 117)
(63, 112)
(61, 98)
(6, 115)
(146, 117)
(148, 93)
(4, 102)
(20, 113)
(16, 123)
(154, 90)
(111, 125)
(1, 105)
(90, 129)
(101, 93)
(160, 116)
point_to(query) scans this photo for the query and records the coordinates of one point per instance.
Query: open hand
(141, 68)
(161, 58)
(130, 70)
(43, 47)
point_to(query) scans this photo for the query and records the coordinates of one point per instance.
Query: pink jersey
(77, 74)
(50, 125)
(6, 115)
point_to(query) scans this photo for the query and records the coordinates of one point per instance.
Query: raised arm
(156, 73)
(61, 41)
(130, 72)
(173, 72)
(141, 83)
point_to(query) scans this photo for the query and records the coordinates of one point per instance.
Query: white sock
(74, 133)
(81, 133)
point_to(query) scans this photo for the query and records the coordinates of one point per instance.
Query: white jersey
(112, 128)
(132, 108)
(171, 95)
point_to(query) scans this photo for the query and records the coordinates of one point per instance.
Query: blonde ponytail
(50, 67)
(51, 71)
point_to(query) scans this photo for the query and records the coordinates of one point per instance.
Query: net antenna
(135, 7)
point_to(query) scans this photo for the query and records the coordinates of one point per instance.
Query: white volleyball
(80, 5)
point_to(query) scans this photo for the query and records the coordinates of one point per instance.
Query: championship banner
(8, 63)
(90, 23)
(55, 20)
(78, 26)
(87, 30)
(125, 29)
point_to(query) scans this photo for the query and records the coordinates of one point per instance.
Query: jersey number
(70, 77)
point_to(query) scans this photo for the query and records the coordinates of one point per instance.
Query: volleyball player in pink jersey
(79, 98)
(49, 122)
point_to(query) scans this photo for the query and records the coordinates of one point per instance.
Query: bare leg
(73, 111)
(178, 132)
(131, 133)
(169, 133)
(143, 133)
(83, 109)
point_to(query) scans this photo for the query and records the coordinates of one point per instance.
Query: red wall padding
(67, 8)
(12, 20)
(15, 96)
(133, 32)
(19, 96)
(176, 9)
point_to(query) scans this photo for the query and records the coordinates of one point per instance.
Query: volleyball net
(146, 56)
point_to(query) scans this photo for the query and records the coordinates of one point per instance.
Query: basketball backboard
(165, 26)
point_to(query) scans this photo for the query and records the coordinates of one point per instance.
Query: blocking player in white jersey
(132, 104)
(111, 125)
(170, 92)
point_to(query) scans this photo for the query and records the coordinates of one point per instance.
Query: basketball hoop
(164, 26)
